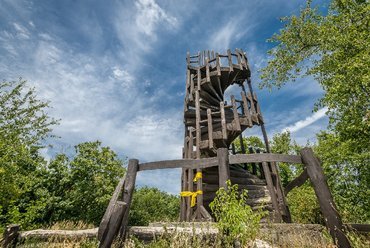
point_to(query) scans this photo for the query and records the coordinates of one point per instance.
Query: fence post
(10, 236)
(332, 219)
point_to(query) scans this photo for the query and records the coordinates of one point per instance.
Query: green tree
(282, 143)
(24, 125)
(151, 204)
(94, 173)
(334, 49)
(250, 141)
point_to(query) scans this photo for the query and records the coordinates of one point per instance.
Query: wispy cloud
(306, 122)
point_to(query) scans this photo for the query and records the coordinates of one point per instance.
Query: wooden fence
(115, 220)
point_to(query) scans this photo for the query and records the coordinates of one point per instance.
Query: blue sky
(115, 70)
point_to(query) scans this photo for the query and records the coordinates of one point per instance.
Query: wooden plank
(231, 68)
(189, 209)
(184, 180)
(253, 109)
(296, 182)
(191, 144)
(223, 121)
(331, 216)
(103, 227)
(179, 163)
(362, 228)
(132, 168)
(239, 59)
(191, 97)
(223, 166)
(210, 129)
(246, 109)
(270, 187)
(264, 157)
(197, 124)
(258, 108)
(236, 114)
(114, 224)
(218, 66)
(208, 79)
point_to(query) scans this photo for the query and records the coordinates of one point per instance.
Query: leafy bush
(151, 204)
(235, 219)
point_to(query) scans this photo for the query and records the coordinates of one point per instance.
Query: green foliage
(303, 205)
(348, 176)
(334, 49)
(251, 141)
(24, 124)
(235, 219)
(282, 143)
(153, 205)
(80, 189)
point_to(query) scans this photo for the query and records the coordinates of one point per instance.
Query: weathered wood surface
(271, 188)
(362, 228)
(128, 190)
(296, 182)
(332, 219)
(223, 166)
(264, 157)
(10, 236)
(108, 212)
(211, 162)
(42, 234)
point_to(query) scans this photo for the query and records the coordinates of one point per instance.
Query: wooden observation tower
(212, 123)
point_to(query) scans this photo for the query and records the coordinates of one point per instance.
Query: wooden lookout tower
(211, 122)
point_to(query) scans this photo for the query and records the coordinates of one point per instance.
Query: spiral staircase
(211, 123)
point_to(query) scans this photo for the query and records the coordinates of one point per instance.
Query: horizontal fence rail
(211, 162)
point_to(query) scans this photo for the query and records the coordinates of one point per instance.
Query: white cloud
(149, 15)
(306, 122)
(228, 34)
(22, 32)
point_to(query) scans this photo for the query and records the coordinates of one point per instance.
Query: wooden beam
(103, 227)
(223, 166)
(197, 123)
(296, 182)
(246, 109)
(271, 188)
(132, 168)
(236, 114)
(265, 157)
(210, 129)
(229, 58)
(223, 121)
(218, 65)
(330, 213)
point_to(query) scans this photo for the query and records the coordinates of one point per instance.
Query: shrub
(235, 219)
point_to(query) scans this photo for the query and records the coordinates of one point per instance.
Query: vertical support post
(332, 219)
(210, 129)
(208, 79)
(197, 123)
(246, 109)
(218, 66)
(236, 114)
(133, 165)
(229, 58)
(223, 121)
(223, 166)
(271, 188)
(190, 177)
